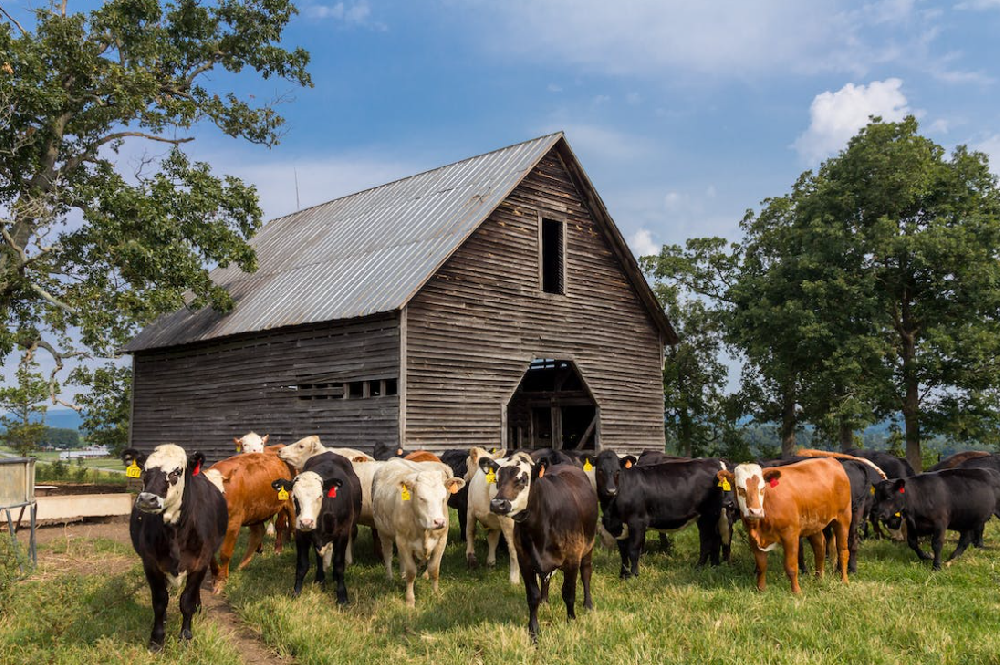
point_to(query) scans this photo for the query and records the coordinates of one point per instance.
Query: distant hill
(63, 418)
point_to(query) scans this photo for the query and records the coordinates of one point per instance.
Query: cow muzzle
(500, 506)
(306, 524)
(148, 502)
(754, 514)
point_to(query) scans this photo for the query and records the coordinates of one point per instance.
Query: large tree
(93, 247)
(22, 408)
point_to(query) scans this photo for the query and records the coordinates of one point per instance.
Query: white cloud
(991, 146)
(978, 5)
(642, 243)
(837, 116)
(672, 200)
(356, 14)
(553, 87)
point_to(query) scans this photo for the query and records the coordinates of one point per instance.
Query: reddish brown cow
(423, 456)
(780, 505)
(958, 459)
(245, 480)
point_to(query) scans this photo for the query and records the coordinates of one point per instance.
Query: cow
(961, 499)
(385, 451)
(178, 522)
(410, 506)
(958, 459)
(482, 488)
(554, 509)
(457, 461)
(422, 456)
(297, 453)
(251, 443)
(245, 480)
(984, 461)
(782, 505)
(893, 467)
(607, 468)
(327, 496)
(667, 497)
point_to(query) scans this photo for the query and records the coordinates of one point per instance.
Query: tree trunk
(846, 435)
(788, 425)
(911, 401)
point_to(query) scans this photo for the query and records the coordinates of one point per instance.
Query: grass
(895, 610)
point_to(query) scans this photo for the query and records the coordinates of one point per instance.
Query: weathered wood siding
(200, 396)
(475, 326)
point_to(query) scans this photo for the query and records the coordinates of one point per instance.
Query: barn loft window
(310, 391)
(552, 256)
(356, 389)
(328, 389)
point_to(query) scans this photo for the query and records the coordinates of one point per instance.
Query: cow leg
(665, 545)
(253, 544)
(546, 581)
(190, 601)
(876, 528)
(791, 547)
(569, 591)
(470, 539)
(409, 566)
(434, 564)
(708, 541)
(914, 543)
(623, 549)
(492, 539)
(376, 544)
(760, 558)
(337, 567)
(818, 542)
(937, 544)
(636, 539)
(534, 596)
(158, 591)
(857, 518)
(977, 538)
(842, 529)
(386, 542)
(302, 547)
(226, 553)
(965, 538)
(586, 570)
(507, 528)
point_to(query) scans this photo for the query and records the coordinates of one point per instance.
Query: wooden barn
(490, 302)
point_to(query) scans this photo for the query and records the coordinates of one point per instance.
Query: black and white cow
(961, 499)
(178, 522)
(327, 498)
(667, 497)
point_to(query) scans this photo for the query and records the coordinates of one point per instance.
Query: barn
(489, 302)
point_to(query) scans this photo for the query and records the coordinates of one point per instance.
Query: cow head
(513, 484)
(890, 502)
(748, 483)
(428, 493)
(607, 470)
(384, 451)
(251, 443)
(300, 451)
(308, 491)
(164, 475)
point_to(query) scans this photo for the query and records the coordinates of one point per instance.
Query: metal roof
(357, 255)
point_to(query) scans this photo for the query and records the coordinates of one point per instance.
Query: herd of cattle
(545, 504)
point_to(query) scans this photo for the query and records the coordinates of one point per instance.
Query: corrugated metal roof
(357, 255)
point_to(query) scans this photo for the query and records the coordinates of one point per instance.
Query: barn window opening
(375, 388)
(311, 391)
(552, 256)
(390, 387)
(356, 389)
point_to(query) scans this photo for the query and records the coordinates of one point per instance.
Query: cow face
(513, 485)
(300, 451)
(607, 471)
(748, 483)
(308, 490)
(890, 502)
(164, 476)
(428, 492)
(251, 443)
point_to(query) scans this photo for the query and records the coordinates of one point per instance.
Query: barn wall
(202, 395)
(475, 326)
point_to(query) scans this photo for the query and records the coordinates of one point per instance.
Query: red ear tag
(773, 482)
(902, 490)
(332, 493)
(197, 468)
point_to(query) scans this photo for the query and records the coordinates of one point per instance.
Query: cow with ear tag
(178, 522)
(327, 499)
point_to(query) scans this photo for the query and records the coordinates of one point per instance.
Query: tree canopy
(94, 247)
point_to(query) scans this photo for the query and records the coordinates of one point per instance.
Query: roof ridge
(416, 175)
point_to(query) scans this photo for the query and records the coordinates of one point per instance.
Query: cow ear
(454, 484)
(195, 460)
(771, 474)
(237, 442)
(725, 475)
(899, 486)
(282, 484)
(263, 439)
(399, 452)
(332, 482)
(487, 463)
(538, 470)
(629, 461)
(359, 458)
(130, 455)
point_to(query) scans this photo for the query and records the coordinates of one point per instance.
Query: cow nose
(148, 500)
(306, 524)
(439, 523)
(612, 491)
(756, 513)
(500, 506)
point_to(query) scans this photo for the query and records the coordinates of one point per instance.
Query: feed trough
(17, 493)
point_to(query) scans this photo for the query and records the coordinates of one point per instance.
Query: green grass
(895, 610)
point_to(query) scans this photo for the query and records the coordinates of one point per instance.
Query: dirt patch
(252, 650)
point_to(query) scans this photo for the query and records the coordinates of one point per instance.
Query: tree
(24, 408)
(90, 252)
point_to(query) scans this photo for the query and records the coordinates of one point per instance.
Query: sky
(684, 114)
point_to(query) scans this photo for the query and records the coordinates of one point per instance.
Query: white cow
(297, 453)
(482, 488)
(410, 507)
(251, 443)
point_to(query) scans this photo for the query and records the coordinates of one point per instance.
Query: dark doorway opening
(553, 408)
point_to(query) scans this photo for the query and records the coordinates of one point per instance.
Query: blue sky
(684, 114)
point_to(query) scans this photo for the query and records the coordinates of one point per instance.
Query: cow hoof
(491, 564)
(217, 587)
(186, 634)
(472, 561)
(154, 647)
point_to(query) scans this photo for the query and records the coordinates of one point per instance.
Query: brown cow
(780, 505)
(958, 459)
(423, 456)
(245, 480)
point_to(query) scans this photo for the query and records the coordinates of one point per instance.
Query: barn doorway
(553, 408)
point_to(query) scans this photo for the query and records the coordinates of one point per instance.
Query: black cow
(554, 509)
(327, 497)
(178, 522)
(961, 499)
(385, 451)
(458, 461)
(892, 466)
(667, 497)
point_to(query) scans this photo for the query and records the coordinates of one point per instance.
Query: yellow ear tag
(405, 493)
(491, 477)
(724, 484)
(133, 471)
(587, 466)
(282, 494)
(898, 515)
(871, 490)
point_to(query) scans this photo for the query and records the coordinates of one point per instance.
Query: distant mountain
(62, 417)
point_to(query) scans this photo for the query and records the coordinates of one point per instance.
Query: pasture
(88, 602)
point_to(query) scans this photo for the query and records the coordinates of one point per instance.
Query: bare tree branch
(52, 299)
(13, 20)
